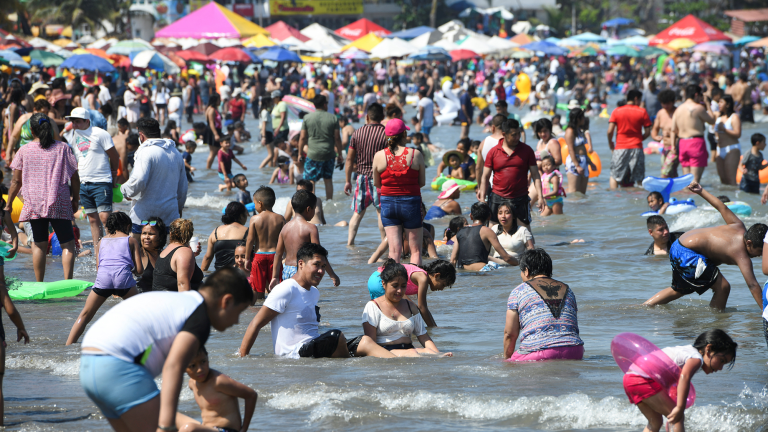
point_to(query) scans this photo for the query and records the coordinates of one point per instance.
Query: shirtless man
(688, 126)
(295, 233)
(662, 132)
(696, 254)
(120, 141)
(263, 230)
(741, 92)
(319, 218)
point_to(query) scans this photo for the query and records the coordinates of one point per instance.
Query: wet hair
(229, 280)
(392, 270)
(302, 200)
(446, 270)
(509, 125)
(394, 111)
(691, 91)
(192, 145)
(756, 234)
(542, 124)
(454, 226)
(132, 140)
(656, 195)
(238, 178)
(319, 101)
(149, 127)
(757, 138)
(655, 221)
(234, 211)
(575, 116)
(395, 141)
(375, 112)
(118, 221)
(634, 94)
(498, 120)
(42, 104)
(41, 128)
(124, 123)
(308, 250)
(729, 105)
(480, 211)
(537, 262)
(266, 195)
(283, 160)
(499, 228)
(724, 198)
(162, 231)
(666, 96)
(720, 341)
(306, 185)
(418, 135)
(181, 230)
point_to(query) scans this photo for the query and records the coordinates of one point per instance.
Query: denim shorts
(316, 170)
(96, 197)
(426, 130)
(115, 385)
(401, 210)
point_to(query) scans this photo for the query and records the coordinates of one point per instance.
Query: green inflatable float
(117, 196)
(464, 185)
(47, 290)
(4, 248)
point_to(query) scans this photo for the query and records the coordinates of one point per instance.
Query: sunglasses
(150, 223)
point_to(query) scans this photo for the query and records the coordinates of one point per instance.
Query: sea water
(474, 390)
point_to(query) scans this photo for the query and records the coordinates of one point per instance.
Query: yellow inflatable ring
(17, 206)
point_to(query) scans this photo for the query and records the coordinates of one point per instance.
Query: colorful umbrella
(210, 22)
(87, 62)
(712, 48)
(259, 41)
(232, 55)
(100, 52)
(46, 58)
(14, 59)
(190, 55)
(206, 48)
(622, 50)
(126, 47)
(462, 54)
(745, 40)
(652, 52)
(681, 43)
(430, 53)
(150, 59)
(354, 54)
(278, 54)
(584, 52)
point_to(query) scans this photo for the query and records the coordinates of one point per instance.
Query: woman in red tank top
(399, 174)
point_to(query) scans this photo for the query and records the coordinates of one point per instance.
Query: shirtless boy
(295, 233)
(688, 126)
(263, 231)
(216, 394)
(319, 218)
(662, 238)
(662, 132)
(696, 254)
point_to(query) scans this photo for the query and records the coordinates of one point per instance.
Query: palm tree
(76, 12)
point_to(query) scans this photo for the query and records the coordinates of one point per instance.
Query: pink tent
(211, 21)
(281, 31)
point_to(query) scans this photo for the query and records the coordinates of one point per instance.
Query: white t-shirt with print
(90, 147)
(297, 321)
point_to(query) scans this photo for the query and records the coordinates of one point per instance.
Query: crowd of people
(70, 149)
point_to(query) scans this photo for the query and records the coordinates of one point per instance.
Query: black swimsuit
(165, 278)
(472, 249)
(224, 250)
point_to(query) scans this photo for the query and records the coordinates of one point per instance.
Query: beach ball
(16, 208)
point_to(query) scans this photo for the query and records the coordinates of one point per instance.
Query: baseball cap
(79, 113)
(395, 127)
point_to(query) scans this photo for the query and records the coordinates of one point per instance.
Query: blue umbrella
(745, 40)
(410, 33)
(278, 54)
(87, 62)
(547, 48)
(618, 22)
(430, 53)
(588, 37)
(14, 59)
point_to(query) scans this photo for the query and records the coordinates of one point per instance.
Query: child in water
(711, 351)
(241, 257)
(752, 164)
(217, 396)
(282, 173)
(118, 254)
(453, 159)
(552, 187)
(656, 202)
(454, 226)
(226, 157)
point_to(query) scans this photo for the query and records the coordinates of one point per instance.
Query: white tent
(316, 31)
(325, 45)
(477, 43)
(44, 44)
(446, 45)
(501, 43)
(228, 42)
(101, 43)
(425, 39)
(394, 47)
(451, 25)
(86, 40)
(296, 44)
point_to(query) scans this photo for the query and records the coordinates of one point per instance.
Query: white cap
(79, 113)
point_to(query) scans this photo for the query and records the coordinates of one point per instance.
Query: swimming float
(675, 207)
(593, 156)
(4, 248)
(15, 208)
(740, 208)
(296, 104)
(464, 185)
(117, 195)
(47, 290)
(653, 147)
(667, 186)
(633, 353)
(763, 173)
(250, 207)
(448, 103)
(523, 85)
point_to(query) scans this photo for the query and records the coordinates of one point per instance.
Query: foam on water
(56, 366)
(215, 201)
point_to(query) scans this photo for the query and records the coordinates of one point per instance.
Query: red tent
(691, 28)
(360, 28)
(231, 54)
(281, 31)
(463, 54)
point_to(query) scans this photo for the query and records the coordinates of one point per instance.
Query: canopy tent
(212, 21)
(192, 55)
(155, 61)
(691, 28)
(631, 41)
(232, 54)
(259, 41)
(278, 54)
(294, 44)
(361, 28)
(477, 44)
(446, 45)
(617, 22)
(427, 39)
(87, 62)
(521, 39)
(354, 54)
(430, 53)
(411, 33)
(316, 31)
(43, 44)
(128, 46)
(547, 48)
(365, 43)
(501, 43)
(325, 45)
(394, 47)
(280, 31)
(463, 54)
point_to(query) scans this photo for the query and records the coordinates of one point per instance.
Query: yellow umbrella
(681, 43)
(67, 32)
(80, 51)
(62, 42)
(259, 41)
(309, 59)
(365, 43)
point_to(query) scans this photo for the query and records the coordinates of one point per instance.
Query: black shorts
(712, 141)
(210, 139)
(269, 137)
(62, 228)
(190, 110)
(521, 207)
(398, 346)
(161, 106)
(322, 346)
(106, 293)
(281, 136)
(700, 285)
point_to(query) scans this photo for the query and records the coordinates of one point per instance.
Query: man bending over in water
(697, 253)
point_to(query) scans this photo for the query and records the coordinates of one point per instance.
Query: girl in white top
(391, 319)
(160, 100)
(513, 238)
(728, 132)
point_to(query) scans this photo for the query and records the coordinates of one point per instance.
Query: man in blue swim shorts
(695, 256)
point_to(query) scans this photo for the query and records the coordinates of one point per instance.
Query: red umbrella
(231, 54)
(463, 54)
(206, 48)
(190, 55)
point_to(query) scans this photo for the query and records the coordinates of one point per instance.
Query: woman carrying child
(117, 256)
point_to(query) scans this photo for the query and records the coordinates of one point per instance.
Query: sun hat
(448, 154)
(37, 86)
(79, 113)
(573, 104)
(395, 127)
(448, 188)
(176, 92)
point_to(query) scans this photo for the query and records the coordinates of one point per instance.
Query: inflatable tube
(447, 118)
(653, 147)
(47, 290)
(449, 94)
(740, 208)
(464, 185)
(117, 195)
(299, 103)
(4, 248)
(16, 208)
(250, 207)
(763, 173)
(523, 85)
(635, 354)
(675, 207)
(667, 186)
(592, 156)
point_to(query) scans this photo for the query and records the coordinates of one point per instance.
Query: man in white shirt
(174, 107)
(291, 309)
(97, 161)
(104, 95)
(426, 114)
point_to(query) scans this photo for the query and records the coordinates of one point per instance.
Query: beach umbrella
(617, 22)
(411, 33)
(126, 47)
(427, 39)
(520, 53)
(652, 52)
(394, 47)
(361, 28)
(354, 54)
(278, 54)
(99, 52)
(232, 55)
(622, 50)
(545, 47)
(325, 45)
(584, 52)
(14, 60)
(150, 59)
(743, 41)
(636, 40)
(681, 43)
(463, 54)
(712, 48)
(46, 59)
(211, 21)
(63, 42)
(760, 43)
(588, 37)
(501, 43)
(206, 48)
(87, 62)
(280, 31)
(258, 41)
(430, 53)
(478, 44)
(190, 55)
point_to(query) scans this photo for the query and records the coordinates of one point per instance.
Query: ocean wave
(217, 202)
(57, 366)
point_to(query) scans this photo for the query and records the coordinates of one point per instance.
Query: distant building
(522, 9)
(749, 22)
(144, 16)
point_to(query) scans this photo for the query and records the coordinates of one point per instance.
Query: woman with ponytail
(399, 173)
(42, 170)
